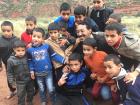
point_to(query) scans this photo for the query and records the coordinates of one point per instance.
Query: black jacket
(6, 47)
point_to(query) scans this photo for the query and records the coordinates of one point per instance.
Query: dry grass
(19, 24)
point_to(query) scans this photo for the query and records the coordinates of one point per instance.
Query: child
(100, 13)
(6, 47)
(116, 18)
(65, 11)
(26, 36)
(80, 16)
(19, 75)
(125, 45)
(94, 61)
(40, 56)
(129, 93)
(70, 85)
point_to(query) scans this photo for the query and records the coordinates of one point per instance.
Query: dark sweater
(17, 70)
(101, 16)
(6, 47)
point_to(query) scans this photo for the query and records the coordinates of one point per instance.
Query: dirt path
(4, 92)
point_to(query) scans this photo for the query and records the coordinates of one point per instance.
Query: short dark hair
(114, 58)
(53, 26)
(19, 43)
(31, 18)
(90, 42)
(115, 26)
(88, 25)
(63, 24)
(65, 6)
(75, 56)
(116, 17)
(80, 10)
(41, 30)
(7, 23)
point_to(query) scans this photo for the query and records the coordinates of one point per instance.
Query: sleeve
(30, 62)
(55, 56)
(10, 73)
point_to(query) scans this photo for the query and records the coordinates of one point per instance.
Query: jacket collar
(121, 74)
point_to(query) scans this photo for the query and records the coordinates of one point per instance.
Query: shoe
(12, 94)
(43, 103)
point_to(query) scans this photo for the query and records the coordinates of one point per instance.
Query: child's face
(37, 38)
(20, 51)
(112, 69)
(30, 25)
(98, 4)
(75, 65)
(111, 20)
(65, 14)
(79, 18)
(54, 34)
(88, 50)
(112, 37)
(7, 31)
(83, 32)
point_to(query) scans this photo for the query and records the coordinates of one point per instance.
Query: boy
(94, 61)
(65, 11)
(80, 16)
(19, 75)
(26, 36)
(100, 13)
(40, 56)
(125, 45)
(60, 43)
(6, 47)
(129, 93)
(70, 85)
(116, 18)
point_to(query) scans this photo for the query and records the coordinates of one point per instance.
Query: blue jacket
(74, 83)
(70, 22)
(40, 58)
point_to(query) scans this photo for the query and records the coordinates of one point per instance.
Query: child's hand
(113, 88)
(33, 75)
(62, 42)
(93, 76)
(66, 69)
(62, 79)
(130, 77)
(14, 86)
(100, 80)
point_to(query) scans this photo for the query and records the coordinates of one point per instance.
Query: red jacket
(26, 38)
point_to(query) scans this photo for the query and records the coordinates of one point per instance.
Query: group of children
(76, 49)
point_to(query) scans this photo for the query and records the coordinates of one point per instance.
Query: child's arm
(10, 73)
(132, 75)
(30, 63)
(56, 56)
(62, 80)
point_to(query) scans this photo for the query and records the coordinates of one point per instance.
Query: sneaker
(12, 94)
(43, 103)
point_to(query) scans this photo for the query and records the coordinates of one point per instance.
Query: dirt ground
(4, 92)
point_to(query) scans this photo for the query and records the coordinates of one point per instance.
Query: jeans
(45, 84)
